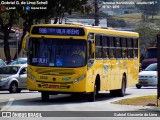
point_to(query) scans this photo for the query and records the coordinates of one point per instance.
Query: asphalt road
(31, 101)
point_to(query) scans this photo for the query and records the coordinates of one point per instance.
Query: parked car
(148, 77)
(19, 61)
(13, 78)
(2, 64)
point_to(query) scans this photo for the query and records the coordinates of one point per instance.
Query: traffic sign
(17, 33)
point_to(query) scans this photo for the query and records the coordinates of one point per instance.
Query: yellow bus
(74, 58)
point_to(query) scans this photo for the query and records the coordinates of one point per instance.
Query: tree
(96, 6)
(149, 9)
(7, 19)
(147, 33)
(55, 9)
(65, 6)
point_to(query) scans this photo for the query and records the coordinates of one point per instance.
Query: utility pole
(158, 66)
(96, 16)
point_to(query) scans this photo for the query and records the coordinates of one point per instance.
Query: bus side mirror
(92, 48)
(25, 44)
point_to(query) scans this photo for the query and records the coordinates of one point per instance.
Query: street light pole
(17, 50)
(17, 35)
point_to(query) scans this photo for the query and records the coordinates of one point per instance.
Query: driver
(79, 52)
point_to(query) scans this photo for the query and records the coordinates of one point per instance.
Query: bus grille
(55, 71)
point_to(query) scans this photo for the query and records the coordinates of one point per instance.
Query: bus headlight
(75, 81)
(78, 79)
(31, 77)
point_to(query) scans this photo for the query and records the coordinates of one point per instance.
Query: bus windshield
(57, 52)
(151, 53)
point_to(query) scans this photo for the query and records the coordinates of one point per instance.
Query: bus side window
(118, 47)
(98, 41)
(124, 47)
(130, 47)
(118, 53)
(130, 53)
(105, 49)
(124, 53)
(105, 53)
(135, 53)
(135, 45)
(111, 47)
(111, 53)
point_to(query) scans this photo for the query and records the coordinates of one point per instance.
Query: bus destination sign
(66, 31)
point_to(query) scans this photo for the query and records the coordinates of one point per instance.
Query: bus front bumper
(58, 88)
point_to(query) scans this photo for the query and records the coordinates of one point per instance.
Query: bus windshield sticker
(40, 60)
(118, 63)
(59, 62)
(51, 64)
(105, 68)
(66, 79)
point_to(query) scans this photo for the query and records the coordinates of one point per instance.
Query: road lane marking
(8, 104)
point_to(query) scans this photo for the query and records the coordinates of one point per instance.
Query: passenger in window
(124, 53)
(112, 54)
(105, 55)
(78, 56)
(134, 54)
(129, 56)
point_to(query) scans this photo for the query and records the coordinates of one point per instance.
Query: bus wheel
(121, 92)
(113, 93)
(44, 96)
(138, 86)
(92, 95)
(13, 87)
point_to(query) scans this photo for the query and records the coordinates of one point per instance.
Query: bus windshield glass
(57, 52)
(151, 53)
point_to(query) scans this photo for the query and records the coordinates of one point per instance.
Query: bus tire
(92, 95)
(44, 96)
(113, 93)
(121, 92)
(138, 86)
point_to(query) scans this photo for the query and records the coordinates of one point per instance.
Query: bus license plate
(53, 86)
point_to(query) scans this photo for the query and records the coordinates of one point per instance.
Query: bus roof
(92, 29)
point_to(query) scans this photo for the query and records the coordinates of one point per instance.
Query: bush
(116, 23)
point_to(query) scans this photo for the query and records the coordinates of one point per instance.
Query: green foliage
(111, 22)
(7, 19)
(149, 9)
(147, 33)
(55, 9)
